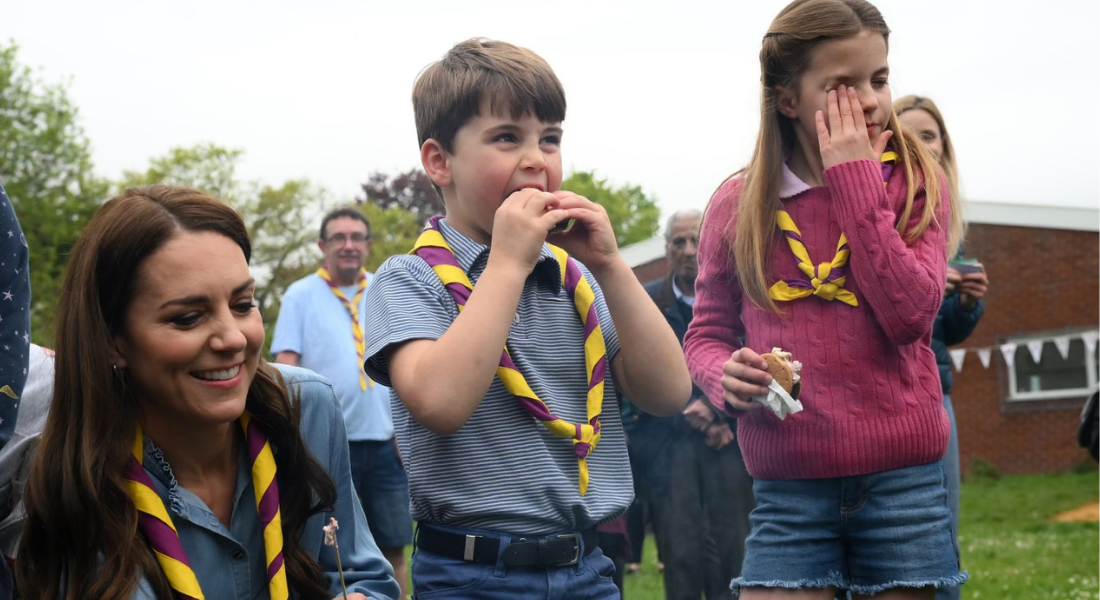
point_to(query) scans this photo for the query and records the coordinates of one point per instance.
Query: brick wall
(1040, 280)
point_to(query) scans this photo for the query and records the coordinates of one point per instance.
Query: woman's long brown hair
(784, 57)
(81, 536)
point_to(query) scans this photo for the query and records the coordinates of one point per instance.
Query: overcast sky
(662, 95)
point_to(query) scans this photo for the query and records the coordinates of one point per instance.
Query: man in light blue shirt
(320, 328)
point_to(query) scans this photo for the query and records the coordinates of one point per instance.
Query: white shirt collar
(689, 300)
(792, 185)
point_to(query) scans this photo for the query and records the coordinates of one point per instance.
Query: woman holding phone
(962, 301)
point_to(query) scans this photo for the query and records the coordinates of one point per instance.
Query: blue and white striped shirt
(502, 470)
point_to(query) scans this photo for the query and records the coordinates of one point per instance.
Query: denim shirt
(231, 563)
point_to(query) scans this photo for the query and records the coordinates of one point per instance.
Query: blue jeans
(436, 576)
(866, 533)
(951, 466)
(383, 489)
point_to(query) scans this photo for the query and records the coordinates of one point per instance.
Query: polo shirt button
(238, 555)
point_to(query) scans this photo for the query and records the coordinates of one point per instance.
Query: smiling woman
(178, 458)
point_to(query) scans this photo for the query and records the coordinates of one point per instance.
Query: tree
(634, 216)
(411, 190)
(46, 168)
(398, 207)
(282, 221)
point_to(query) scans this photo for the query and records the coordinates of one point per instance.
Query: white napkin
(779, 401)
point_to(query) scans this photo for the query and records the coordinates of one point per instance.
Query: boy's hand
(846, 138)
(591, 240)
(743, 376)
(520, 227)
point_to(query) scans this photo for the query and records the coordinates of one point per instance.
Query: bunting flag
(1089, 337)
(1035, 347)
(985, 354)
(957, 357)
(1062, 344)
(1008, 350)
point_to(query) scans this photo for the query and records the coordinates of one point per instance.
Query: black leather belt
(523, 551)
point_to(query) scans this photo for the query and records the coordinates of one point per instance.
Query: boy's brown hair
(449, 93)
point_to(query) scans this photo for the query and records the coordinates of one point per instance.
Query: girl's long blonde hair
(785, 55)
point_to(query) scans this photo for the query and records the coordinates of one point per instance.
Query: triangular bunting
(1008, 350)
(1035, 347)
(985, 354)
(957, 357)
(1089, 337)
(1062, 344)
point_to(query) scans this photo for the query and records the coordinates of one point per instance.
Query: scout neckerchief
(431, 247)
(353, 311)
(158, 528)
(825, 280)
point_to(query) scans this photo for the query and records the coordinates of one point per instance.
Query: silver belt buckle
(468, 551)
(577, 548)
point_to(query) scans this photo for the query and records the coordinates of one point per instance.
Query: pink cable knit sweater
(870, 387)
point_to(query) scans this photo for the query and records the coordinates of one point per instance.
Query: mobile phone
(967, 265)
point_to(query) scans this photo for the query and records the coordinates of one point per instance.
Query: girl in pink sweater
(831, 246)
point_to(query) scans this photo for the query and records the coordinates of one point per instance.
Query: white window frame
(1014, 395)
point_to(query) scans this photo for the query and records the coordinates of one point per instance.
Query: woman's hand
(972, 287)
(846, 138)
(744, 376)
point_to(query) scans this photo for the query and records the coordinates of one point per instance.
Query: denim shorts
(866, 533)
(383, 489)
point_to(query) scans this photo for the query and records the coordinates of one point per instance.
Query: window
(1053, 377)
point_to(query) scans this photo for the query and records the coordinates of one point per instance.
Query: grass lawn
(1010, 545)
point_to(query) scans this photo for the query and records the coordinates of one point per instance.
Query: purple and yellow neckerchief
(163, 538)
(826, 280)
(431, 247)
(352, 307)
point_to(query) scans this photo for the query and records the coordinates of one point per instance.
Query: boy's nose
(533, 158)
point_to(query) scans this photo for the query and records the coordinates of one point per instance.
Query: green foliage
(281, 221)
(1015, 550)
(46, 168)
(634, 216)
(393, 230)
(1008, 541)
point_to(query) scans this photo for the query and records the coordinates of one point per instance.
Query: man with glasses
(320, 327)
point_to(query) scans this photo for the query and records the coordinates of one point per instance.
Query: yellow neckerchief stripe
(821, 281)
(352, 307)
(263, 483)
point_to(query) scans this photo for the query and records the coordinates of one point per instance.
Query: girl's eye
(245, 307)
(553, 140)
(927, 136)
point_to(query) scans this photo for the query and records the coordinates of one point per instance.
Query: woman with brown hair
(175, 462)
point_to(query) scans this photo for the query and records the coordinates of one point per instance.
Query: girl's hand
(591, 240)
(847, 137)
(744, 375)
